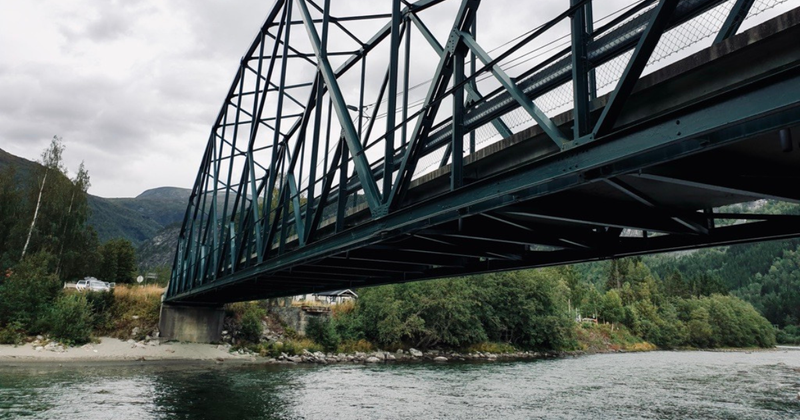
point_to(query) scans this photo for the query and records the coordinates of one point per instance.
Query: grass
(491, 347)
(605, 337)
(351, 346)
(134, 306)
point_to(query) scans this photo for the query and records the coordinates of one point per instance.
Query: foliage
(251, 326)
(525, 309)
(491, 347)
(603, 337)
(788, 335)
(352, 346)
(27, 293)
(323, 332)
(133, 307)
(13, 333)
(117, 261)
(291, 347)
(70, 319)
(101, 304)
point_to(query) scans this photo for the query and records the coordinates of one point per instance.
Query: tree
(51, 161)
(117, 261)
(612, 309)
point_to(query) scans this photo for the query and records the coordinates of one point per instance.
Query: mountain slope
(136, 219)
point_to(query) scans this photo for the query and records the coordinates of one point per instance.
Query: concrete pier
(195, 324)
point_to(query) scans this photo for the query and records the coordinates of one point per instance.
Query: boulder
(414, 352)
(373, 359)
(439, 359)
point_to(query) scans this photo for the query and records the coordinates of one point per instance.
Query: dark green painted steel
(299, 195)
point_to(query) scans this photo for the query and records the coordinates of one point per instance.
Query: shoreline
(112, 351)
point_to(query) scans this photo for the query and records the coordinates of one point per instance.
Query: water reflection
(668, 385)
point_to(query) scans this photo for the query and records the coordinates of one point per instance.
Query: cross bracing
(387, 146)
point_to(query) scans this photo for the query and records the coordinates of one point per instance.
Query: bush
(27, 294)
(323, 331)
(133, 307)
(789, 335)
(251, 323)
(70, 319)
(102, 304)
(290, 347)
(13, 333)
(492, 347)
(352, 346)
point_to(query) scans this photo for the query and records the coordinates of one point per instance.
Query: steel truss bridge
(387, 144)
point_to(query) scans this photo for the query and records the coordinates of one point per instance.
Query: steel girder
(298, 177)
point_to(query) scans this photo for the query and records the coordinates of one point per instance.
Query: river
(657, 385)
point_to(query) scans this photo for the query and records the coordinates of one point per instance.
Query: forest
(44, 242)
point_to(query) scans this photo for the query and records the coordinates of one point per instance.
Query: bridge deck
(696, 135)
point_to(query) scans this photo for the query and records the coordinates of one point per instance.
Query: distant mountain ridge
(137, 219)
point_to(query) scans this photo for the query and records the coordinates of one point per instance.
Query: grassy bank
(600, 338)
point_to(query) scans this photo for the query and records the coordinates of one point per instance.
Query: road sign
(139, 279)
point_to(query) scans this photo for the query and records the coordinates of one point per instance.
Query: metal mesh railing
(677, 43)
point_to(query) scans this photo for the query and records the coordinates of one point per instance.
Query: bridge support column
(196, 324)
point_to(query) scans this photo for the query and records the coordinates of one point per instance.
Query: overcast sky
(133, 86)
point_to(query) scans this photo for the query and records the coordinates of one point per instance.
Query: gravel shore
(112, 349)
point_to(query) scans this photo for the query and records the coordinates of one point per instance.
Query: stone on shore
(439, 359)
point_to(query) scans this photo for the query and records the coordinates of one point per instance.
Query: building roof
(337, 293)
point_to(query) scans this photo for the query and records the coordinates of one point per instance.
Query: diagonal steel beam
(363, 171)
(642, 198)
(441, 78)
(734, 20)
(647, 43)
(543, 120)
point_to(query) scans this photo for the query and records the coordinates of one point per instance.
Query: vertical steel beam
(407, 68)
(580, 76)
(472, 83)
(457, 141)
(590, 31)
(391, 112)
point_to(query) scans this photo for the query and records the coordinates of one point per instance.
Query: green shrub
(102, 305)
(27, 294)
(13, 333)
(70, 319)
(290, 347)
(352, 346)
(251, 323)
(789, 335)
(492, 347)
(323, 331)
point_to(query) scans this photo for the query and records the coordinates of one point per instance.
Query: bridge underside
(717, 128)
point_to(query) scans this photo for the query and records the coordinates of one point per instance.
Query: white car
(93, 285)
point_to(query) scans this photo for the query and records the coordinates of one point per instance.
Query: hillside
(136, 219)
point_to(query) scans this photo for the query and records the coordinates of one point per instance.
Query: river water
(656, 385)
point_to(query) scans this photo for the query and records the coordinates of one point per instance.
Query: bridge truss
(391, 145)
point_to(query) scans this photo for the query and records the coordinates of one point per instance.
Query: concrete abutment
(195, 324)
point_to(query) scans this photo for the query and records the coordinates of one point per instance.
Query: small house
(336, 296)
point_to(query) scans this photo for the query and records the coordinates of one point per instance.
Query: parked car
(93, 285)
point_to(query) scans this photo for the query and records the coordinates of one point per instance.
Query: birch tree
(52, 161)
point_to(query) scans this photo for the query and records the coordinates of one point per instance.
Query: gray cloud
(134, 86)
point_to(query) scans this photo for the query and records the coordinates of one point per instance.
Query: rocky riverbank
(411, 355)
